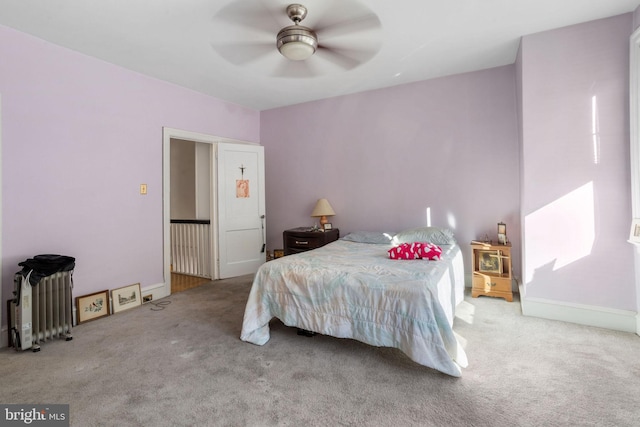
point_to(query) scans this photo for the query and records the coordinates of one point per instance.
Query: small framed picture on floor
(92, 306)
(126, 297)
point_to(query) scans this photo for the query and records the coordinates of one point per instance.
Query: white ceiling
(189, 42)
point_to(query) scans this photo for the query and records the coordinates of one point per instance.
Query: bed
(351, 288)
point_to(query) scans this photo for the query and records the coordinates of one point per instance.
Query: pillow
(435, 235)
(369, 237)
(403, 251)
(416, 250)
(428, 251)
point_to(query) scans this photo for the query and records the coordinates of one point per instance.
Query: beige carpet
(182, 364)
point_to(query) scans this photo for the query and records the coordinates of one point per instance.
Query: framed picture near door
(126, 297)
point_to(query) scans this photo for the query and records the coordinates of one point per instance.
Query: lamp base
(323, 221)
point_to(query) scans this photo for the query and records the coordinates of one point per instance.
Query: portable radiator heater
(43, 310)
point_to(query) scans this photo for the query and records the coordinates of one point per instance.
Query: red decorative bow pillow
(429, 251)
(416, 250)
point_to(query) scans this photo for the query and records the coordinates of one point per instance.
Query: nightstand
(301, 239)
(491, 269)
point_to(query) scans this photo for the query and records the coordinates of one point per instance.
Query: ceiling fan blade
(369, 22)
(345, 58)
(338, 58)
(295, 69)
(257, 16)
(244, 53)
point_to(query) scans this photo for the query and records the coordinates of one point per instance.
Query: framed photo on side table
(126, 297)
(490, 261)
(92, 306)
(327, 226)
(502, 233)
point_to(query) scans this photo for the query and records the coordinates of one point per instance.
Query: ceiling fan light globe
(296, 51)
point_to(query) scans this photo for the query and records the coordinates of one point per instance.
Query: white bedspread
(353, 290)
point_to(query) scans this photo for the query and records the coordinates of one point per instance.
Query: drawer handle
(491, 284)
(301, 243)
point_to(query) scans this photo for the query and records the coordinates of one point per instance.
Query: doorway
(190, 214)
(234, 237)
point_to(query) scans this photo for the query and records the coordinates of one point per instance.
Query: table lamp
(323, 209)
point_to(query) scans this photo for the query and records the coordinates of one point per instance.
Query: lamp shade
(323, 208)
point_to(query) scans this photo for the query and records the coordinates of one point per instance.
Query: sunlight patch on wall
(561, 232)
(451, 220)
(595, 129)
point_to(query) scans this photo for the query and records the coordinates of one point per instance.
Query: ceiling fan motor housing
(297, 42)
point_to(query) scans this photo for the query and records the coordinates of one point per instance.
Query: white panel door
(241, 211)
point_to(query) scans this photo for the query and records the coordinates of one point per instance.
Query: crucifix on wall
(242, 185)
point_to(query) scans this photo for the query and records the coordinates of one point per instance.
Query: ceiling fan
(296, 42)
(340, 36)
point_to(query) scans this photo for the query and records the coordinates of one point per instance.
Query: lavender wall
(383, 157)
(79, 137)
(576, 181)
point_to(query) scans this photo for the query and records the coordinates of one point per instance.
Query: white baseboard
(157, 291)
(608, 318)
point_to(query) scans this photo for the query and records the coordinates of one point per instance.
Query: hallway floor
(182, 282)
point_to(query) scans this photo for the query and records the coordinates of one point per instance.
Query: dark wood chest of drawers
(302, 239)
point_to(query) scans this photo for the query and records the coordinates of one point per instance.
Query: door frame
(167, 135)
(634, 122)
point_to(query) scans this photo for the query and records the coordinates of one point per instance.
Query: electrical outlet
(147, 298)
